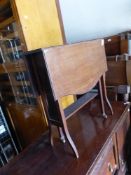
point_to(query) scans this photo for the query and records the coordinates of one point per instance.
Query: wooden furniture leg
(105, 93)
(69, 139)
(101, 99)
(65, 131)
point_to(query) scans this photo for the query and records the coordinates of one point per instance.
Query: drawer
(106, 164)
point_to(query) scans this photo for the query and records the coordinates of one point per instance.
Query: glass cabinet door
(15, 80)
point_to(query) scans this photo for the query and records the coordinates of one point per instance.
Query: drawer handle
(122, 163)
(121, 160)
(111, 169)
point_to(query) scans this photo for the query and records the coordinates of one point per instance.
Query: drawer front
(106, 164)
(121, 138)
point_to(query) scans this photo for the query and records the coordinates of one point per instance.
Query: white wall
(89, 19)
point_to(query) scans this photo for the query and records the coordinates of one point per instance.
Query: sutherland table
(99, 141)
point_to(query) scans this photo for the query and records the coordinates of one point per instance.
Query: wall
(89, 19)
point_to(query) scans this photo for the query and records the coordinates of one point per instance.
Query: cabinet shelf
(10, 49)
(7, 22)
(15, 67)
(25, 95)
(17, 83)
(76, 106)
(12, 35)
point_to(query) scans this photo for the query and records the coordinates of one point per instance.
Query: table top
(90, 132)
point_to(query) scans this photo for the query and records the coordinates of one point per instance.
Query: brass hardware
(110, 168)
(121, 161)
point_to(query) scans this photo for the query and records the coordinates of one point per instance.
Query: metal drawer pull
(111, 168)
(121, 161)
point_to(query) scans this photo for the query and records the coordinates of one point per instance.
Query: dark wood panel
(112, 45)
(29, 122)
(116, 74)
